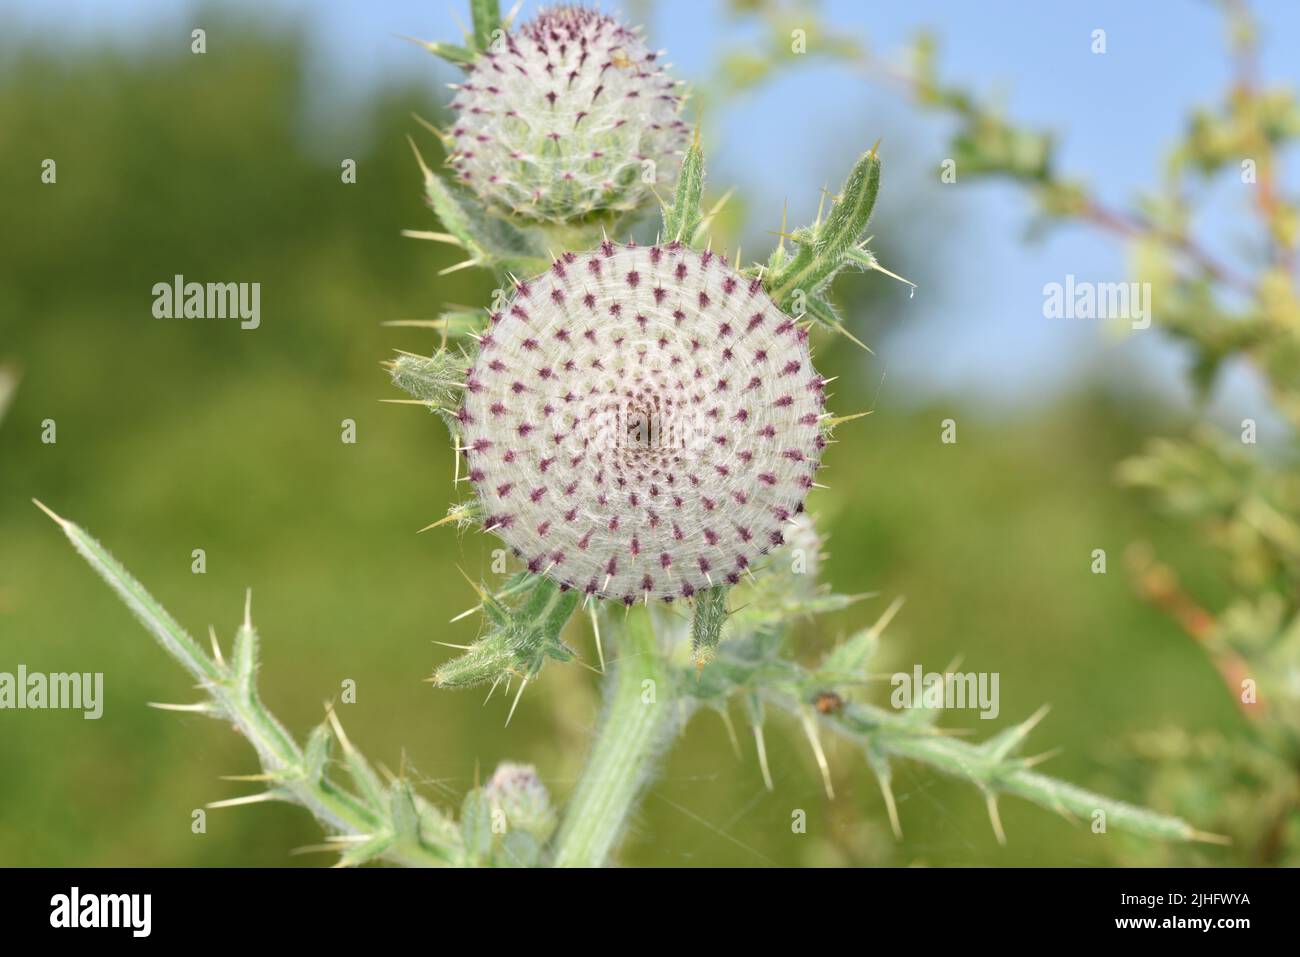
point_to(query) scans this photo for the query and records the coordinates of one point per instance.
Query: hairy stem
(638, 719)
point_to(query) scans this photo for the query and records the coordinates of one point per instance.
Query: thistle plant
(566, 116)
(641, 424)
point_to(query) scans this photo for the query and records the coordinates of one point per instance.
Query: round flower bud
(642, 422)
(567, 116)
(516, 791)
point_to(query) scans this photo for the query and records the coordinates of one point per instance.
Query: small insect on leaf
(828, 702)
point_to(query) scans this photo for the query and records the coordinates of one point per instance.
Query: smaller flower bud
(517, 792)
(571, 116)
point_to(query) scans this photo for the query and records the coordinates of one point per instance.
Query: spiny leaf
(846, 663)
(866, 260)
(298, 775)
(367, 851)
(403, 812)
(317, 753)
(175, 640)
(490, 242)
(1007, 741)
(894, 735)
(359, 769)
(487, 19)
(519, 641)
(476, 825)
(451, 323)
(755, 711)
(462, 513)
(824, 248)
(825, 315)
(452, 53)
(436, 379)
(879, 763)
(244, 659)
(682, 218)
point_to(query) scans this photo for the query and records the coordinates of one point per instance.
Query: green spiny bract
(436, 379)
(706, 624)
(520, 637)
(568, 116)
(492, 242)
(799, 283)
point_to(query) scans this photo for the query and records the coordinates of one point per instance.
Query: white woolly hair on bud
(642, 422)
(565, 117)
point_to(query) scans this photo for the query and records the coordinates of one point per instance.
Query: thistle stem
(638, 720)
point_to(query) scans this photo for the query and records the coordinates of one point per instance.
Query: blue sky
(978, 326)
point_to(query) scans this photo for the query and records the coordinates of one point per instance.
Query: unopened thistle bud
(642, 422)
(516, 791)
(567, 116)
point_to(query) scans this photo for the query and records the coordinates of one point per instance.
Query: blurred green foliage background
(175, 435)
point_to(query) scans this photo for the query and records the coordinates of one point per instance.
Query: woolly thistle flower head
(567, 116)
(642, 422)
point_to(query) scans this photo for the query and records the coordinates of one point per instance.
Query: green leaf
(490, 241)
(878, 761)
(683, 217)
(825, 315)
(476, 826)
(245, 658)
(846, 663)
(824, 248)
(233, 692)
(405, 816)
(175, 640)
(1007, 742)
(520, 638)
(436, 379)
(452, 53)
(451, 323)
(487, 18)
(316, 755)
(367, 851)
